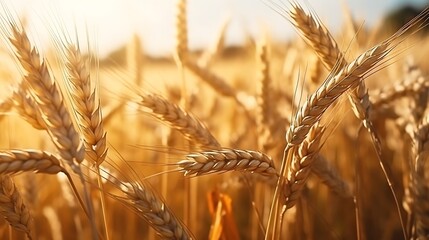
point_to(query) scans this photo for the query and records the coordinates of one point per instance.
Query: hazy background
(111, 23)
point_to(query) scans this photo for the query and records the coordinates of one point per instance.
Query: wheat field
(325, 136)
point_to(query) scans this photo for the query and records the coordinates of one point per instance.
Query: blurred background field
(114, 24)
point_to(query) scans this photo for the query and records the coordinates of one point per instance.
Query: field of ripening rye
(325, 136)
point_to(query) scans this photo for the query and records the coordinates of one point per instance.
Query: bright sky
(111, 23)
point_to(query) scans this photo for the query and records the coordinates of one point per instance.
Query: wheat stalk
(224, 160)
(86, 105)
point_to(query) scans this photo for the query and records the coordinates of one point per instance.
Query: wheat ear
(417, 191)
(264, 97)
(263, 90)
(181, 31)
(409, 86)
(301, 165)
(317, 103)
(55, 115)
(148, 205)
(48, 97)
(268, 118)
(186, 123)
(359, 98)
(13, 161)
(12, 206)
(26, 106)
(202, 163)
(318, 36)
(216, 82)
(311, 112)
(330, 177)
(86, 104)
(221, 86)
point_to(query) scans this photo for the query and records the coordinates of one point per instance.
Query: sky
(111, 23)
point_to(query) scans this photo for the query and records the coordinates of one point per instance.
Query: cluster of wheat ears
(234, 147)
